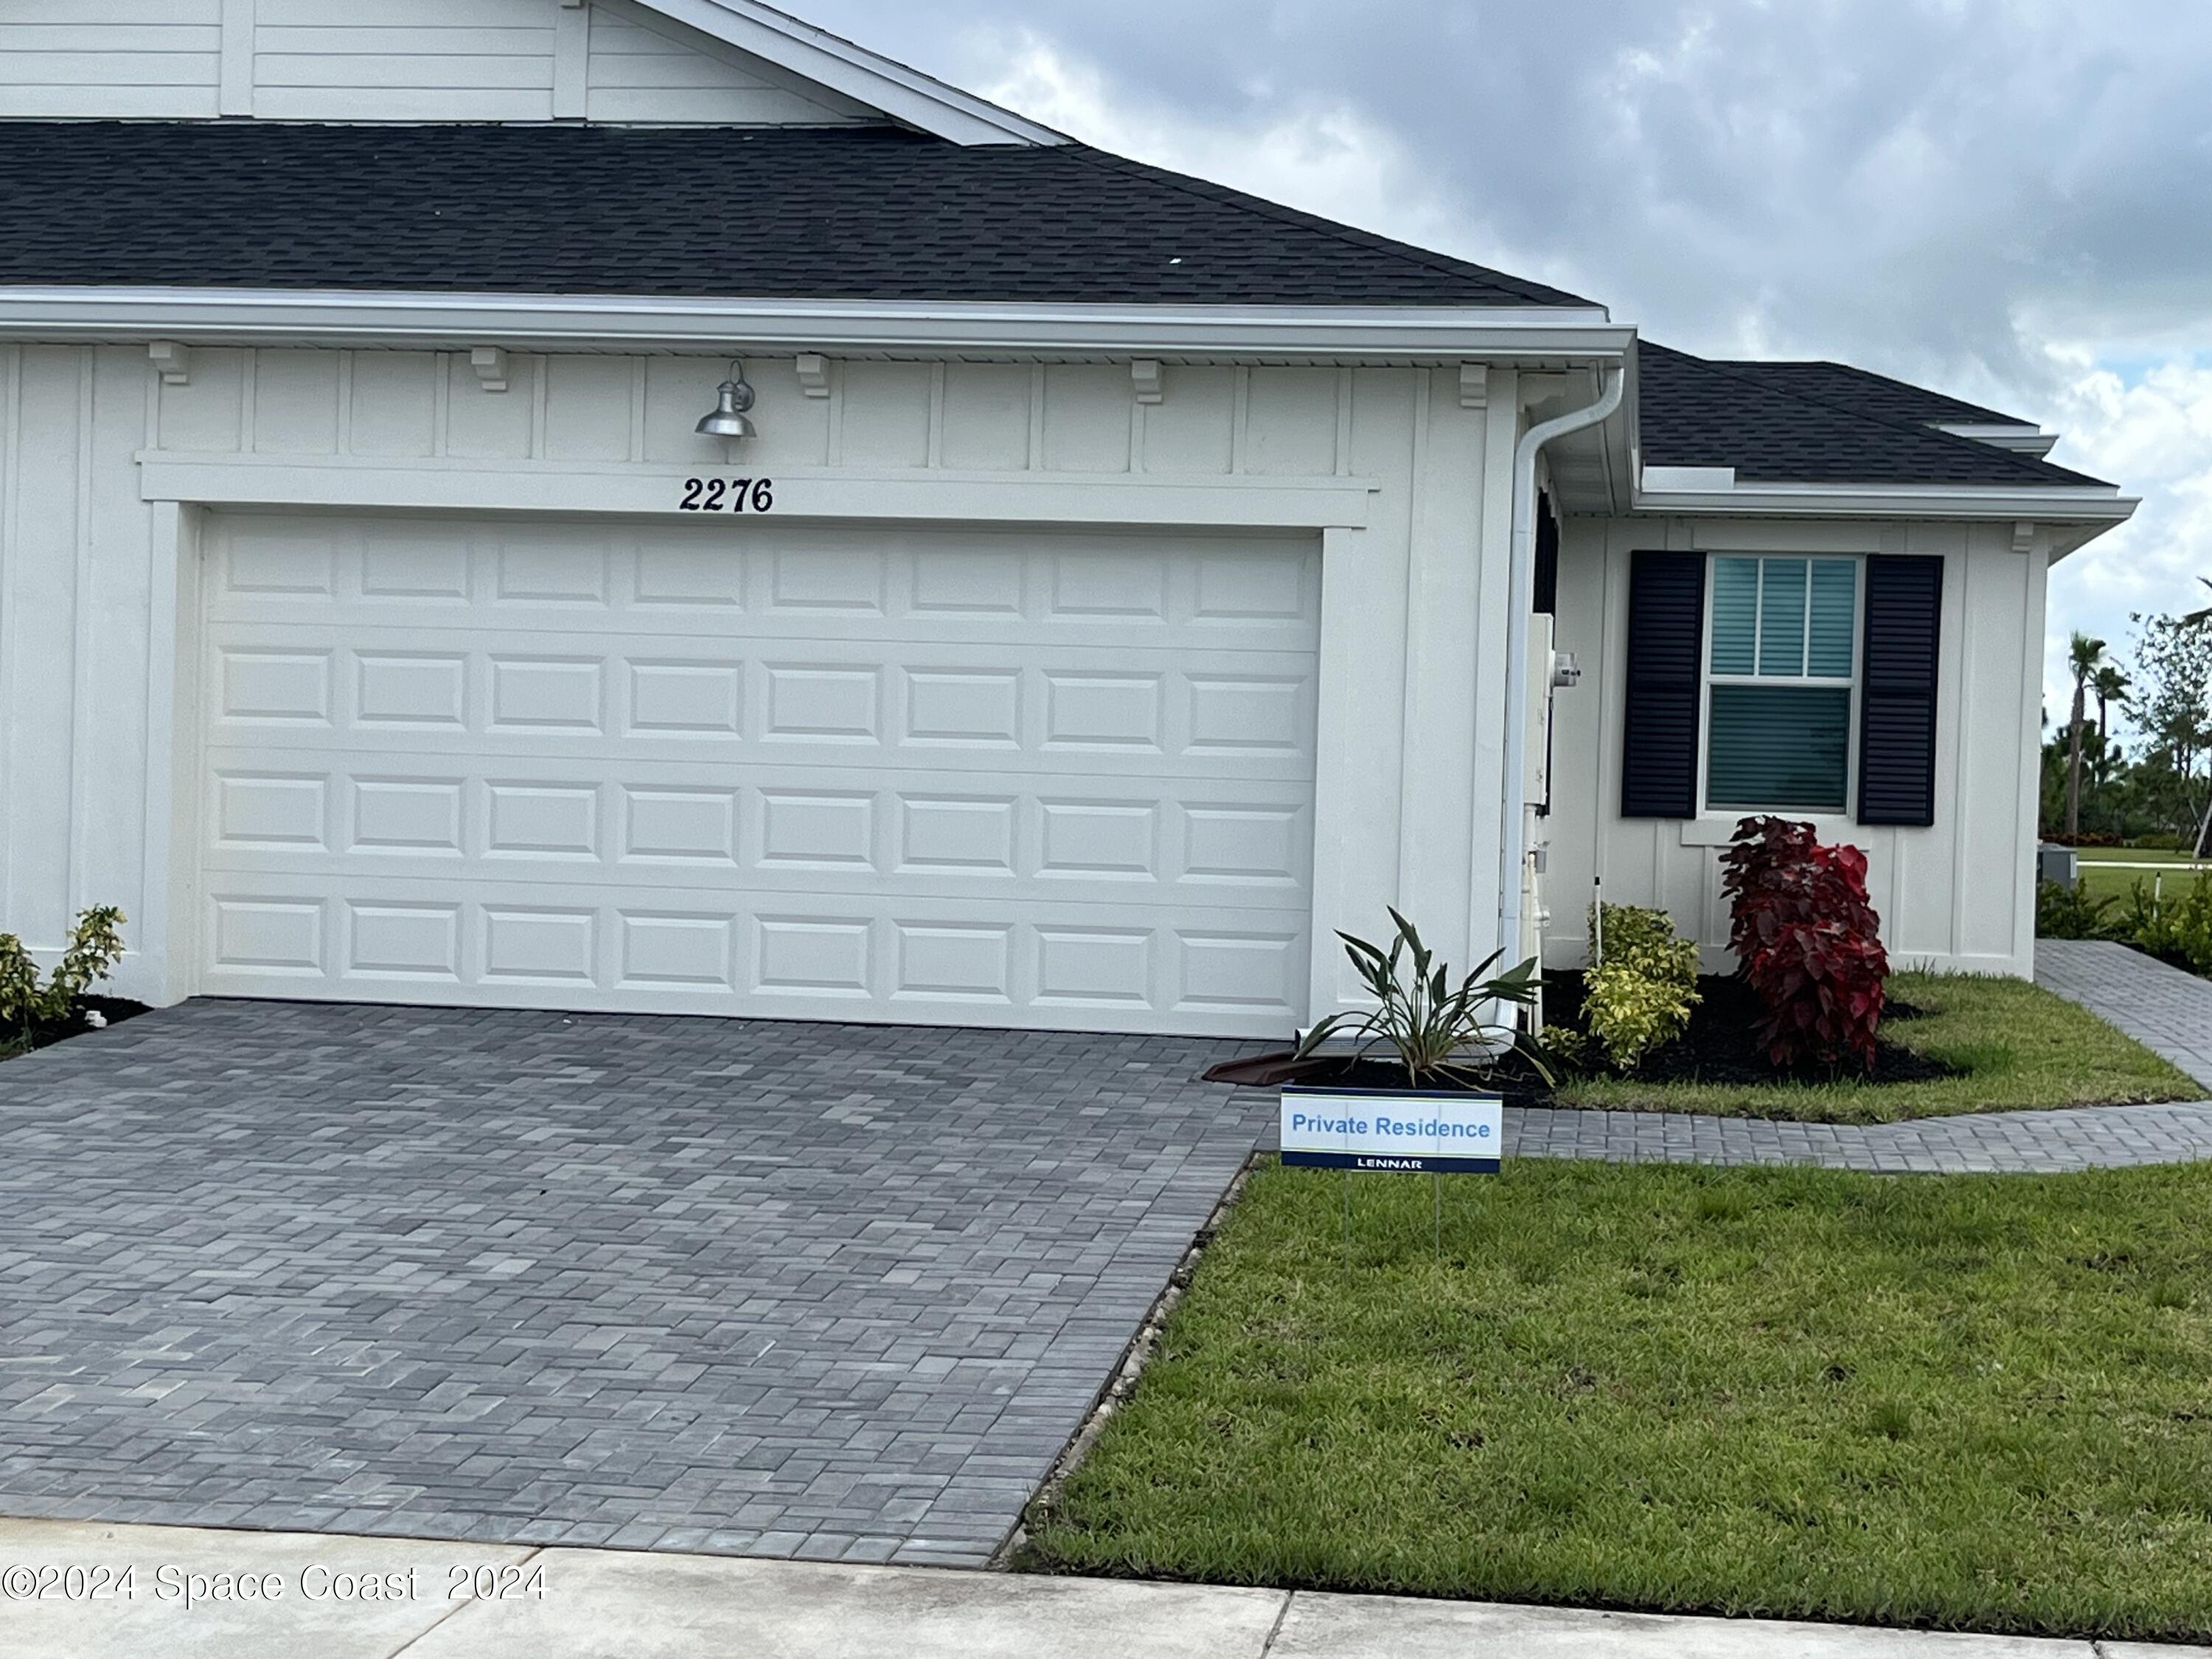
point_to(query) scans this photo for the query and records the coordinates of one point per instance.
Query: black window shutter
(1666, 642)
(1897, 693)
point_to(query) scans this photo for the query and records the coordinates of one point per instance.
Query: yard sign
(1405, 1131)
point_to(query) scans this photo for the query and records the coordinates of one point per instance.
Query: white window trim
(1707, 811)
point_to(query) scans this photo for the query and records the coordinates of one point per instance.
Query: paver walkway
(837, 1291)
(2168, 1011)
(2162, 1007)
(2016, 1143)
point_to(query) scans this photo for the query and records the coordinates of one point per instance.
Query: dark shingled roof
(857, 213)
(1869, 392)
(1772, 428)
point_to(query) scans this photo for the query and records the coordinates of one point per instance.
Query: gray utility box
(2057, 864)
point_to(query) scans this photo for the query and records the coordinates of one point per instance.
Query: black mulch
(113, 1010)
(1717, 1048)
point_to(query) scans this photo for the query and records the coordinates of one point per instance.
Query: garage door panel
(790, 826)
(935, 706)
(805, 954)
(1106, 588)
(1026, 778)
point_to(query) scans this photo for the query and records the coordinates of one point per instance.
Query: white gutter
(1549, 334)
(1513, 827)
(1705, 492)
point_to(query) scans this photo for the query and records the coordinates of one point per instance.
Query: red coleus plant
(1809, 941)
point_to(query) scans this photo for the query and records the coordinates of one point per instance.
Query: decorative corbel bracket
(813, 373)
(173, 361)
(490, 365)
(2023, 536)
(1474, 385)
(1144, 375)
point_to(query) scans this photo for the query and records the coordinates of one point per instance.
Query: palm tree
(2109, 686)
(2084, 656)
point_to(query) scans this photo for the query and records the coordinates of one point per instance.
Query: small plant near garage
(1430, 1029)
(37, 1009)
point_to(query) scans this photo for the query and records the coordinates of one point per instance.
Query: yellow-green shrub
(95, 945)
(1641, 984)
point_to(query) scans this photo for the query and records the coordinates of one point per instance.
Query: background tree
(2084, 656)
(2172, 709)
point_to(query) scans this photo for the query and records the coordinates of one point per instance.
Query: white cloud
(2153, 434)
(1321, 155)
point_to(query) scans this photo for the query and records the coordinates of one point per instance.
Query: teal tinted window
(1782, 616)
(1779, 746)
(1835, 609)
(1735, 616)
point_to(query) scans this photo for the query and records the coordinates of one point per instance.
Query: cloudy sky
(2010, 200)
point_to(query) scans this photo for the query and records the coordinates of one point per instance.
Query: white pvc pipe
(1513, 827)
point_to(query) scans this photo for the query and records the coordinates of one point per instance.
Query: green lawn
(2106, 871)
(2018, 1047)
(1968, 1402)
(2106, 879)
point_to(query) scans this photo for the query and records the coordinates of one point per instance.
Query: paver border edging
(1134, 1358)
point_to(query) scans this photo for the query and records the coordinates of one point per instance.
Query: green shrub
(1641, 984)
(2065, 912)
(2176, 928)
(95, 945)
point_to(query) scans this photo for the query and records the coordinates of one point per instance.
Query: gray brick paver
(582, 1278)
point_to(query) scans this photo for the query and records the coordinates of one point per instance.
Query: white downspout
(1513, 827)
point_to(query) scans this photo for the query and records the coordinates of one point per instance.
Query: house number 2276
(728, 496)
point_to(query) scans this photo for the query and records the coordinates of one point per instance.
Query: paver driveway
(752, 1286)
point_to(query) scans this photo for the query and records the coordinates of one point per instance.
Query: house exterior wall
(98, 566)
(1958, 895)
(411, 60)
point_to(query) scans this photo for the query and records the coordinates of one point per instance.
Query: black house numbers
(728, 496)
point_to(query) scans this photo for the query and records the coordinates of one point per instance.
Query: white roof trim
(904, 94)
(2053, 503)
(1552, 334)
(2021, 440)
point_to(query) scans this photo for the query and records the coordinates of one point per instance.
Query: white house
(1124, 584)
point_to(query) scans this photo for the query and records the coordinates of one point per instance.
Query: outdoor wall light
(732, 399)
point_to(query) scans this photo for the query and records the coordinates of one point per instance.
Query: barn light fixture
(732, 399)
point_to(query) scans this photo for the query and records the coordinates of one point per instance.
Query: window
(1781, 683)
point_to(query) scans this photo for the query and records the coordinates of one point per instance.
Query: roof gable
(852, 71)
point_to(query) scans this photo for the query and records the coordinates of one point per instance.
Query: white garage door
(979, 777)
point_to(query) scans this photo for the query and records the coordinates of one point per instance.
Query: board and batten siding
(96, 602)
(1959, 894)
(402, 60)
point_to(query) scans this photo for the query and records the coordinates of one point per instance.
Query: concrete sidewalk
(363, 1598)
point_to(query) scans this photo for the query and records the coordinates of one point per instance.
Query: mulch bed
(113, 1010)
(1717, 1048)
